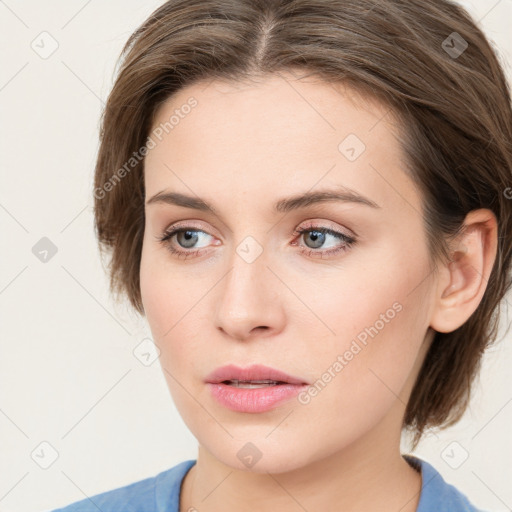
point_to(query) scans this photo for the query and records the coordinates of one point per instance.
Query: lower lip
(255, 399)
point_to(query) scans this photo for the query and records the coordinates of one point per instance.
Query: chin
(255, 454)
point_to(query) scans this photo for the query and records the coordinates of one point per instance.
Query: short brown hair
(454, 109)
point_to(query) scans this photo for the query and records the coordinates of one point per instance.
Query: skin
(242, 148)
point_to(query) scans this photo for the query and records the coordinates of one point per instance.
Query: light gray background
(68, 373)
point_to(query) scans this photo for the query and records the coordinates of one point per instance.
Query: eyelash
(348, 241)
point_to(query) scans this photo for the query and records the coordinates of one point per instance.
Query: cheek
(154, 293)
(164, 307)
(380, 317)
(170, 310)
(164, 293)
(162, 300)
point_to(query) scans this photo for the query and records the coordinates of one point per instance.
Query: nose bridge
(247, 298)
(248, 269)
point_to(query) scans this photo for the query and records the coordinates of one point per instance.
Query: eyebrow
(343, 194)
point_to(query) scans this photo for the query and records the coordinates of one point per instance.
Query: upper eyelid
(311, 226)
(316, 224)
(185, 227)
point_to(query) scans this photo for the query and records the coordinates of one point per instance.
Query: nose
(249, 302)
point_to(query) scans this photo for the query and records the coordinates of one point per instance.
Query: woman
(308, 201)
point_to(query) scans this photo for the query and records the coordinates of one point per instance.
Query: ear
(463, 280)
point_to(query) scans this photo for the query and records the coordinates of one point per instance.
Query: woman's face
(348, 316)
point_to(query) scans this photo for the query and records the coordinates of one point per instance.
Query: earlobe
(464, 279)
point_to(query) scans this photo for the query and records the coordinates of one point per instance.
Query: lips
(255, 389)
(255, 373)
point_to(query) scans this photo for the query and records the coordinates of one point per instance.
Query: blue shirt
(161, 493)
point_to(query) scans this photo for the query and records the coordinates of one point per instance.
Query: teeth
(252, 383)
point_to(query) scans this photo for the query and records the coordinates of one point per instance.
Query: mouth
(253, 384)
(255, 389)
(252, 376)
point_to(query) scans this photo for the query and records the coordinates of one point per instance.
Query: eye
(187, 237)
(316, 237)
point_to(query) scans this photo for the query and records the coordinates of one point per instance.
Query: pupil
(316, 236)
(190, 238)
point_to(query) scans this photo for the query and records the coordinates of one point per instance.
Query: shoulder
(436, 493)
(159, 493)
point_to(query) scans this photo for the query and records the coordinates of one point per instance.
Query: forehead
(280, 131)
(278, 104)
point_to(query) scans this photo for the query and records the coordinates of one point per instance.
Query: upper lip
(253, 372)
